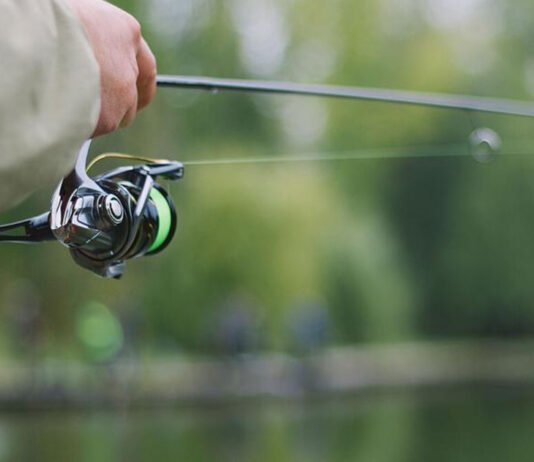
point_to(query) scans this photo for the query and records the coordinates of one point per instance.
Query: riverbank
(180, 381)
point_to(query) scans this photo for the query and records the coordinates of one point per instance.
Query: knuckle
(133, 76)
(127, 86)
(132, 98)
(135, 27)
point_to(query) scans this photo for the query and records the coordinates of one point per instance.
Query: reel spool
(108, 219)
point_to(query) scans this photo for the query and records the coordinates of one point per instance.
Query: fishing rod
(125, 213)
(436, 100)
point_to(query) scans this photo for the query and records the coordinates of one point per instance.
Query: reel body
(108, 219)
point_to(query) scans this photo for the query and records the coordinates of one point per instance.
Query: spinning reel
(109, 219)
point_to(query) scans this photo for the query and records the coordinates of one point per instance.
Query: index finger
(146, 81)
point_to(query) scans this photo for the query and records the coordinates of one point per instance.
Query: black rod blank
(437, 100)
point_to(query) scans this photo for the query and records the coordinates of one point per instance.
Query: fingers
(146, 81)
(145, 84)
(119, 101)
(127, 65)
(128, 95)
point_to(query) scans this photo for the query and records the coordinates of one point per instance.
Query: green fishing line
(164, 219)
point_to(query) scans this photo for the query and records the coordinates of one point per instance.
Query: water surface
(456, 427)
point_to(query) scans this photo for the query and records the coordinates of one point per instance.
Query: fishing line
(446, 151)
(339, 156)
(414, 152)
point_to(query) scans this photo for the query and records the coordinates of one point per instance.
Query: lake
(439, 426)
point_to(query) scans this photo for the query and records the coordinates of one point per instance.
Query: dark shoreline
(151, 383)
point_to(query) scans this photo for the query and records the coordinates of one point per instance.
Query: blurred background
(375, 309)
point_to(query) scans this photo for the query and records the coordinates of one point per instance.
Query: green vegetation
(390, 250)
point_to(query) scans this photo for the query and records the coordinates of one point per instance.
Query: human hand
(127, 66)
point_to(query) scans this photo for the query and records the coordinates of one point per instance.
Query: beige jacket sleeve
(49, 94)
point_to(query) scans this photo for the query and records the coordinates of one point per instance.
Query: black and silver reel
(106, 220)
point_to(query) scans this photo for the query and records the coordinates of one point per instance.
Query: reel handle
(38, 228)
(32, 230)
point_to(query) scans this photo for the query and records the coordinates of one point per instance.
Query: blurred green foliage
(391, 249)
